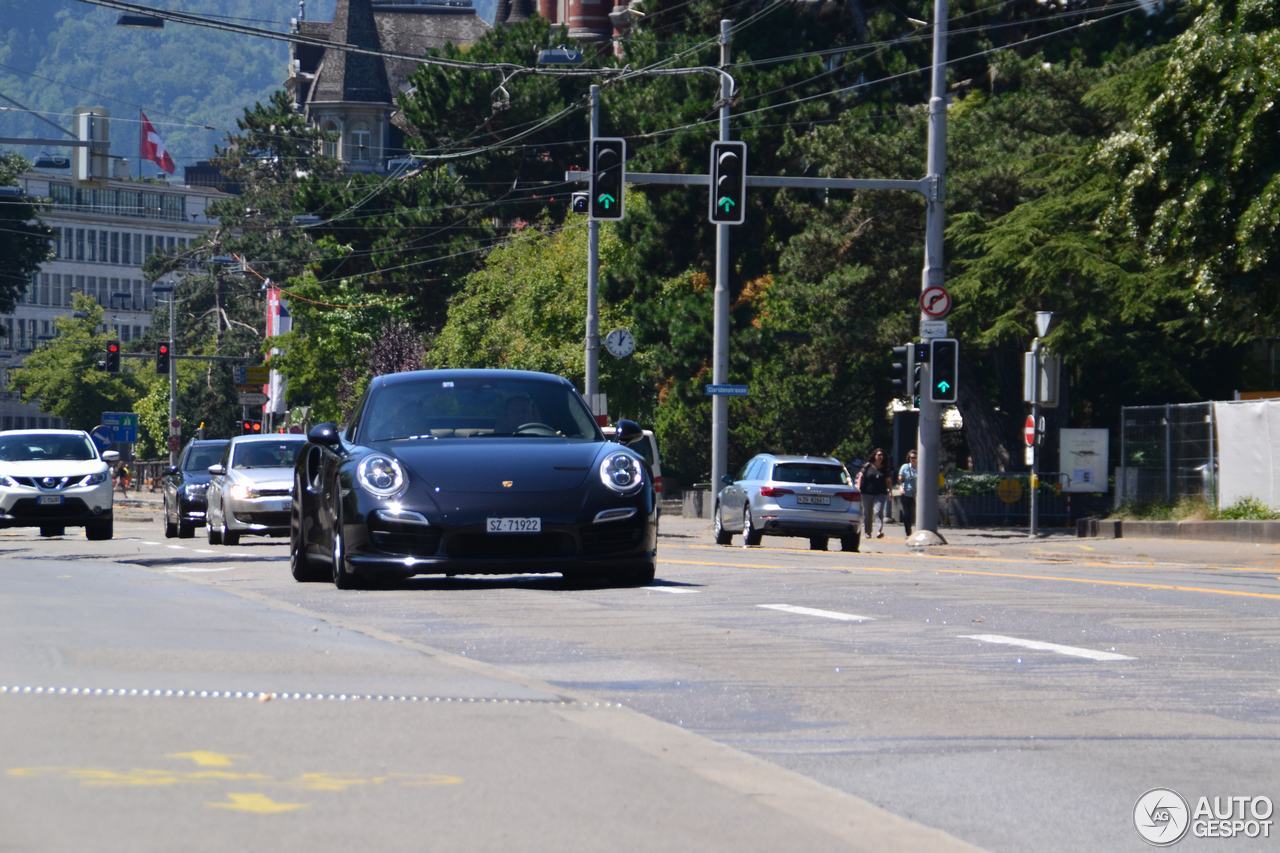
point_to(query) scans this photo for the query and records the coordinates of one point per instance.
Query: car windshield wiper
(407, 437)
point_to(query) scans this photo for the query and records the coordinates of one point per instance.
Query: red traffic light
(163, 349)
(251, 427)
(113, 347)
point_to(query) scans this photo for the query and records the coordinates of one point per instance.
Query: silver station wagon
(811, 497)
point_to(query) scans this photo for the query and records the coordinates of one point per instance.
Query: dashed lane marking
(282, 696)
(811, 611)
(674, 590)
(1039, 646)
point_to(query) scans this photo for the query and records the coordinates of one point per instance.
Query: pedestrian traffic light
(251, 427)
(162, 358)
(944, 361)
(728, 182)
(112, 361)
(608, 176)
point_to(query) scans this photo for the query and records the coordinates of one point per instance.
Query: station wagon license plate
(49, 500)
(513, 525)
(818, 500)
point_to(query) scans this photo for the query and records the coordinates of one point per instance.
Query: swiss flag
(153, 147)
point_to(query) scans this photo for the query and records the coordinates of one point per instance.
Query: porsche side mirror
(629, 432)
(325, 434)
(217, 470)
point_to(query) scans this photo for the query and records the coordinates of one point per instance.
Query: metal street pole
(1035, 434)
(929, 442)
(591, 377)
(173, 377)
(720, 332)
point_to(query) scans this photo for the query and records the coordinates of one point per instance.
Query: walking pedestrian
(874, 480)
(122, 479)
(907, 476)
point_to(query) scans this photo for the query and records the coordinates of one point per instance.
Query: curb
(1251, 532)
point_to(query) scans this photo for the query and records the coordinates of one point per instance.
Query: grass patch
(1196, 509)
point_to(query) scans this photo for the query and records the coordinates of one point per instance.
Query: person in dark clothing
(907, 476)
(874, 480)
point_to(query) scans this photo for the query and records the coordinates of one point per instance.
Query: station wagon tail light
(775, 492)
(848, 496)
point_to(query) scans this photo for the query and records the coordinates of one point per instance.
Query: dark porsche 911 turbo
(472, 472)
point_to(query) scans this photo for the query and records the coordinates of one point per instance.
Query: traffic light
(728, 183)
(251, 427)
(902, 358)
(162, 358)
(112, 362)
(608, 177)
(944, 360)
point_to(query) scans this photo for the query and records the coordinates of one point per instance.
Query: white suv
(54, 479)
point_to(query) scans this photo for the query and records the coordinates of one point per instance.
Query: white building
(103, 231)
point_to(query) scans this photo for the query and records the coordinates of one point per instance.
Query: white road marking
(675, 590)
(1039, 646)
(205, 551)
(197, 571)
(149, 542)
(810, 611)
(177, 547)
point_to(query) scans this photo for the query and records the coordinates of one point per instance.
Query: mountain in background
(192, 82)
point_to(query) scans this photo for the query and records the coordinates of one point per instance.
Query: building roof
(401, 27)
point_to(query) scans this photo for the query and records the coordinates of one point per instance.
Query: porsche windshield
(476, 408)
(35, 447)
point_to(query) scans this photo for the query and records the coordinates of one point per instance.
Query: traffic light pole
(173, 377)
(929, 441)
(591, 374)
(720, 327)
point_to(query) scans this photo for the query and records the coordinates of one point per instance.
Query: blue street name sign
(123, 424)
(726, 390)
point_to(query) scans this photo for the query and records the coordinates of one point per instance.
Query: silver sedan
(250, 489)
(811, 497)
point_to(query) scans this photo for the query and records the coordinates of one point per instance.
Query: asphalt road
(1001, 692)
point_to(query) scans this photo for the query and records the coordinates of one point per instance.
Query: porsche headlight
(381, 476)
(242, 492)
(94, 479)
(621, 472)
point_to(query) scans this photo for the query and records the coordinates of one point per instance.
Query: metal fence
(1166, 454)
(1004, 500)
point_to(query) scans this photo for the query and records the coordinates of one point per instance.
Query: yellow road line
(1134, 584)
(851, 566)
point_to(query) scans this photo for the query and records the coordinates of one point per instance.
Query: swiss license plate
(819, 500)
(49, 500)
(513, 525)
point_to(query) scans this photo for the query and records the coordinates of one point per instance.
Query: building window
(360, 140)
(115, 247)
(43, 297)
(138, 257)
(102, 246)
(126, 256)
(332, 133)
(149, 247)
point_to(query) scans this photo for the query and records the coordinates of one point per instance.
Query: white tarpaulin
(1248, 451)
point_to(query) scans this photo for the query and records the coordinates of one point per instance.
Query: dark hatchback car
(185, 485)
(472, 472)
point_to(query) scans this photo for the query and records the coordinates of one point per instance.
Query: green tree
(1201, 188)
(62, 378)
(24, 242)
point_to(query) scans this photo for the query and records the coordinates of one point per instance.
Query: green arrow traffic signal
(725, 202)
(605, 200)
(944, 386)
